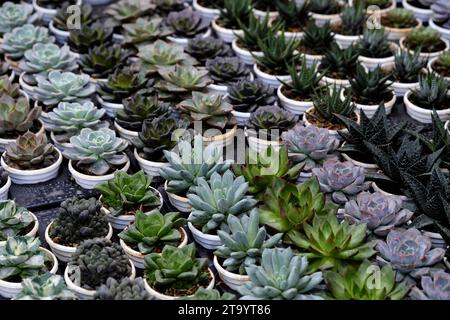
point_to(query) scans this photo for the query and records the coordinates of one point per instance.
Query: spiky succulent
(371, 87)
(254, 29)
(227, 70)
(432, 92)
(209, 294)
(294, 15)
(175, 268)
(281, 276)
(88, 36)
(247, 95)
(441, 15)
(434, 287)
(325, 6)
(13, 220)
(232, 12)
(145, 30)
(95, 261)
(407, 66)
(353, 20)
(124, 289)
(125, 194)
(409, 252)
(20, 39)
(59, 86)
(30, 152)
(64, 15)
(97, 152)
(356, 283)
(21, 257)
(399, 18)
(317, 40)
(45, 287)
(186, 23)
(16, 116)
(126, 11)
(271, 121)
(14, 15)
(340, 63)
(190, 164)
(374, 44)
(309, 145)
(204, 48)
(153, 230)
(214, 200)
(78, 220)
(424, 38)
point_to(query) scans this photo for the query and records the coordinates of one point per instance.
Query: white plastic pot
(445, 33)
(395, 34)
(5, 189)
(151, 168)
(422, 14)
(370, 110)
(61, 146)
(124, 133)
(424, 55)
(33, 176)
(45, 14)
(60, 35)
(207, 14)
(89, 182)
(25, 86)
(138, 258)
(400, 88)
(420, 114)
(241, 117)
(227, 35)
(221, 140)
(259, 145)
(430, 67)
(312, 58)
(232, 280)
(373, 63)
(243, 54)
(294, 106)
(260, 14)
(345, 41)
(5, 142)
(436, 239)
(85, 294)
(110, 108)
(184, 41)
(181, 203)
(97, 2)
(378, 189)
(271, 80)
(32, 233)
(11, 289)
(368, 167)
(207, 241)
(322, 19)
(339, 83)
(332, 132)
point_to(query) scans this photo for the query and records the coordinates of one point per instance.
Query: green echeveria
(20, 39)
(14, 15)
(16, 116)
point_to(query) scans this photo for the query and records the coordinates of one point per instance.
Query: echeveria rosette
(145, 30)
(380, 212)
(271, 120)
(186, 23)
(434, 287)
(409, 252)
(311, 145)
(247, 95)
(20, 39)
(225, 71)
(14, 15)
(203, 48)
(16, 115)
(341, 179)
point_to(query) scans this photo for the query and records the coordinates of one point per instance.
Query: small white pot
(368, 167)
(33, 176)
(345, 41)
(294, 106)
(436, 239)
(430, 67)
(344, 83)
(241, 117)
(85, 294)
(124, 133)
(89, 182)
(159, 296)
(25, 86)
(370, 110)
(227, 35)
(151, 168)
(373, 63)
(5, 189)
(423, 115)
(243, 54)
(223, 89)
(312, 58)
(206, 13)
(268, 78)
(232, 280)
(45, 14)
(426, 56)
(221, 140)
(11, 289)
(332, 132)
(61, 146)
(378, 189)
(181, 203)
(322, 19)
(422, 14)
(60, 35)
(110, 108)
(259, 145)
(260, 14)
(207, 241)
(138, 258)
(400, 88)
(395, 34)
(32, 233)
(184, 41)
(445, 33)
(292, 35)
(5, 142)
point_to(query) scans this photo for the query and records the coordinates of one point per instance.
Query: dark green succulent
(233, 12)
(186, 23)
(271, 120)
(88, 36)
(294, 15)
(353, 20)
(433, 92)
(340, 63)
(399, 18)
(317, 40)
(227, 70)
(325, 6)
(253, 30)
(63, 15)
(204, 48)
(408, 66)
(125, 289)
(371, 87)
(247, 95)
(374, 44)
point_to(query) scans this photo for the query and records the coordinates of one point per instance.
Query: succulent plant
(424, 38)
(214, 200)
(9, 88)
(409, 252)
(272, 121)
(21, 257)
(309, 145)
(209, 294)
(328, 243)
(204, 48)
(45, 287)
(78, 220)
(96, 260)
(16, 116)
(357, 283)
(152, 230)
(54, 4)
(227, 70)
(254, 29)
(97, 152)
(88, 36)
(5, 69)
(190, 164)
(374, 44)
(443, 62)
(434, 287)
(59, 86)
(13, 220)
(408, 66)
(233, 12)
(441, 14)
(432, 92)
(164, 7)
(247, 95)
(325, 6)
(245, 244)
(371, 87)
(126, 11)
(281, 276)
(317, 40)
(20, 39)
(399, 18)
(30, 152)
(294, 15)
(186, 23)
(124, 289)
(64, 14)
(176, 269)
(340, 63)
(353, 20)
(145, 30)
(124, 194)
(14, 15)
(208, 108)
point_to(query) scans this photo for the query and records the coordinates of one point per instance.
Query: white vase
(294, 106)
(420, 114)
(207, 241)
(322, 19)
(207, 14)
(5, 189)
(373, 63)
(271, 80)
(151, 168)
(259, 145)
(445, 33)
(422, 14)
(231, 279)
(181, 203)
(260, 14)
(227, 35)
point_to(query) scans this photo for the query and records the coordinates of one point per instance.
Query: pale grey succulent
(20, 39)
(14, 15)
(341, 180)
(45, 287)
(434, 287)
(311, 145)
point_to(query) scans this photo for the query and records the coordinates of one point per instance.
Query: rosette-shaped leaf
(88, 36)
(247, 95)
(203, 48)
(272, 121)
(125, 289)
(97, 152)
(154, 230)
(209, 294)
(214, 200)
(311, 145)
(186, 23)
(125, 11)
(16, 116)
(60, 86)
(125, 194)
(380, 212)
(409, 252)
(227, 70)
(23, 38)
(45, 287)
(30, 152)
(145, 30)
(14, 15)
(13, 220)
(281, 276)
(434, 287)
(341, 180)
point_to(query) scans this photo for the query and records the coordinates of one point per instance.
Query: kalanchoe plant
(409, 252)
(78, 220)
(399, 18)
(270, 121)
(407, 66)
(203, 48)
(310, 145)
(325, 6)
(45, 287)
(441, 14)
(340, 63)
(247, 95)
(153, 230)
(64, 14)
(424, 38)
(434, 287)
(186, 23)
(88, 36)
(16, 116)
(30, 152)
(374, 44)
(353, 20)
(14, 15)
(233, 12)
(281, 276)
(209, 294)
(14, 220)
(351, 283)
(125, 194)
(214, 200)
(432, 92)
(317, 40)
(145, 31)
(225, 71)
(254, 29)
(371, 87)
(95, 261)
(125, 289)
(294, 15)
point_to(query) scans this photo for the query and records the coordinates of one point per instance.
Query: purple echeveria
(341, 179)
(380, 212)
(434, 287)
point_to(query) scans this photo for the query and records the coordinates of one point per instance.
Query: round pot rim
(425, 54)
(49, 11)
(243, 51)
(374, 106)
(182, 40)
(41, 130)
(394, 49)
(219, 28)
(289, 100)
(152, 163)
(411, 105)
(64, 144)
(402, 30)
(57, 31)
(194, 230)
(330, 130)
(6, 186)
(378, 189)
(223, 136)
(409, 6)
(227, 273)
(434, 25)
(199, 7)
(125, 131)
(241, 114)
(97, 178)
(262, 74)
(359, 163)
(175, 196)
(53, 166)
(108, 104)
